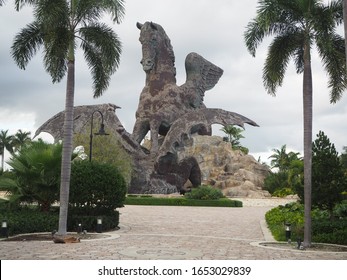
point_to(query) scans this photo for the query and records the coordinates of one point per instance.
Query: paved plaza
(174, 233)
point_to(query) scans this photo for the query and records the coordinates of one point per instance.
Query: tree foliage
(60, 27)
(106, 149)
(96, 188)
(328, 178)
(295, 27)
(234, 135)
(36, 169)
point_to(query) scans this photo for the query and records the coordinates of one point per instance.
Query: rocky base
(236, 174)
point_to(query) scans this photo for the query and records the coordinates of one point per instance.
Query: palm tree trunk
(307, 107)
(67, 149)
(345, 24)
(2, 158)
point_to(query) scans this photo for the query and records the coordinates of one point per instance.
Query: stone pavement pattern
(170, 232)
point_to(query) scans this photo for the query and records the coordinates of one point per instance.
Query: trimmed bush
(181, 201)
(204, 193)
(30, 220)
(96, 188)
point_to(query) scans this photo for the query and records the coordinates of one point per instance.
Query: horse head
(156, 46)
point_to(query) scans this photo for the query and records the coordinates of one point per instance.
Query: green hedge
(180, 201)
(31, 221)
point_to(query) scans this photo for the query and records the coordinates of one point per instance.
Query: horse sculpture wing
(181, 129)
(202, 75)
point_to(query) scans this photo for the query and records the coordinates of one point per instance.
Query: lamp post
(101, 132)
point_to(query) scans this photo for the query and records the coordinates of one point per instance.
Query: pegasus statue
(165, 109)
(162, 101)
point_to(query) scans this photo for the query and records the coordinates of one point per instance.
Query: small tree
(328, 179)
(107, 149)
(234, 136)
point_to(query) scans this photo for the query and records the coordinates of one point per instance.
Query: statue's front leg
(154, 137)
(140, 130)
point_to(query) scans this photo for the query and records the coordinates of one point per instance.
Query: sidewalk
(170, 232)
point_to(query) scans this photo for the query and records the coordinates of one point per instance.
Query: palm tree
(5, 144)
(296, 25)
(58, 26)
(36, 167)
(345, 23)
(234, 134)
(20, 139)
(282, 160)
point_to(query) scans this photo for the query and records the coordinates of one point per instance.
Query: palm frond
(332, 51)
(26, 43)
(102, 50)
(92, 10)
(56, 52)
(280, 51)
(52, 13)
(20, 3)
(115, 7)
(253, 35)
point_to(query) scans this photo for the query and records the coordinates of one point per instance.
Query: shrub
(324, 229)
(35, 175)
(95, 188)
(109, 221)
(276, 182)
(204, 193)
(29, 220)
(340, 209)
(180, 201)
(283, 192)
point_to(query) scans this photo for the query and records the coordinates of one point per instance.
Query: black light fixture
(99, 225)
(79, 228)
(101, 132)
(4, 229)
(288, 228)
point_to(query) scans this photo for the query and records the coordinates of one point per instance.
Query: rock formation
(235, 173)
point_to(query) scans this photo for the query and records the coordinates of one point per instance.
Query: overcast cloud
(214, 29)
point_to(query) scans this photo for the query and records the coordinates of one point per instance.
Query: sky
(213, 29)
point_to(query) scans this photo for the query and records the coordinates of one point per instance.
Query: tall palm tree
(20, 139)
(5, 144)
(296, 25)
(345, 23)
(58, 27)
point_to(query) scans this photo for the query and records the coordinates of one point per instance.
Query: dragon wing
(202, 75)
(181, 129)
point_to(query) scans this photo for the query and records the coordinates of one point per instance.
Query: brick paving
(170, 232)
